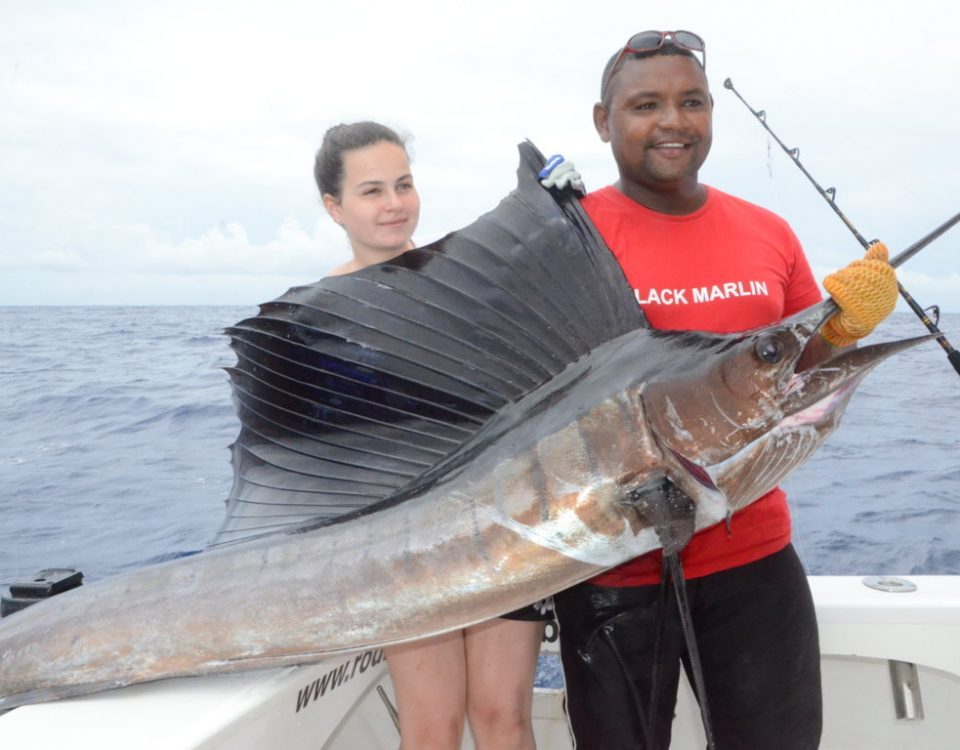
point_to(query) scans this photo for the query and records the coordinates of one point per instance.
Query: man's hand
(865, 291)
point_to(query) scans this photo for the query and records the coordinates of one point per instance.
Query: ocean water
(115, 422)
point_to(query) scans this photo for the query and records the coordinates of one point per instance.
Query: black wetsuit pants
(757, 637)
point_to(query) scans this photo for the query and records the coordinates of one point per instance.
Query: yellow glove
(866, 292)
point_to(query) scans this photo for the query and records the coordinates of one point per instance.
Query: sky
(162, 153)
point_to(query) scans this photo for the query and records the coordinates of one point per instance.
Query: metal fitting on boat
(905, 681)
(43, 585)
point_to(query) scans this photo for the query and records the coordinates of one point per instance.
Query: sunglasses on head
(649, 41)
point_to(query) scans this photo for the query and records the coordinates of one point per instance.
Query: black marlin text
(701, 294)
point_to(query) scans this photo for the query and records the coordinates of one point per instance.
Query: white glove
(561, 174)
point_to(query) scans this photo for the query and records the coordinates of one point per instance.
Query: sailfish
(442, 438)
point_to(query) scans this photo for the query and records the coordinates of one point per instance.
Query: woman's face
(378, 206)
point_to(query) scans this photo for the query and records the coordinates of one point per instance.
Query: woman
(484, 672)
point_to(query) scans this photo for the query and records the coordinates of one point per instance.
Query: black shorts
(756, 631)
(541, 611)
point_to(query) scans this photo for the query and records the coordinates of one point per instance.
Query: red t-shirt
(729, 266)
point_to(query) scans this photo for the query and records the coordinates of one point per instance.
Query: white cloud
(293, 250)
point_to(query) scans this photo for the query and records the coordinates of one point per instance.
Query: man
(700, 259)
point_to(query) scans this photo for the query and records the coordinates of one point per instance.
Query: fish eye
(770, 349)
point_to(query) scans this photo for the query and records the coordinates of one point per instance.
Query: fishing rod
(916, 247)
(829, 195)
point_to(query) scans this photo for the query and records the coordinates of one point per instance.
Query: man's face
(658, 123)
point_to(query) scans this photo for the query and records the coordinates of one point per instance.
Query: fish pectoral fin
(669, 510)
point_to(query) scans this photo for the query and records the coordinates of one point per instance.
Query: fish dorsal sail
(351, 388)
